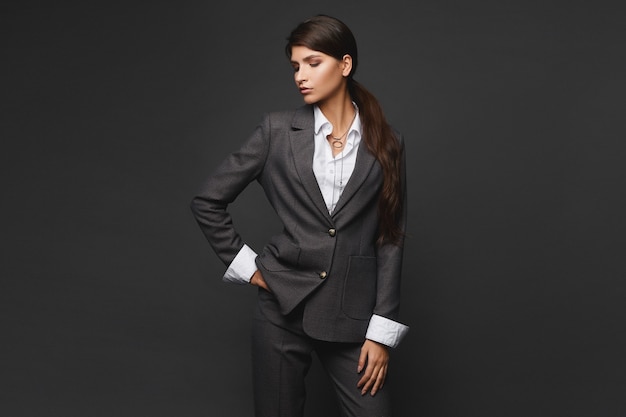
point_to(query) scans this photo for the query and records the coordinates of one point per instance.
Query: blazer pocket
(280, 255)
(359, 291)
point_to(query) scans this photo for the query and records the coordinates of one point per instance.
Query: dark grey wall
(111, 302)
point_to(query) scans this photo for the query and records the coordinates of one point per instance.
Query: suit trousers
(281, 358)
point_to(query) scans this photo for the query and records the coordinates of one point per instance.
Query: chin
(309, 100)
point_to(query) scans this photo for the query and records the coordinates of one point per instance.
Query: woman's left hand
(375, 359)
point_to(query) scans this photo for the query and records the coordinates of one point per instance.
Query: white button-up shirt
(333, 172)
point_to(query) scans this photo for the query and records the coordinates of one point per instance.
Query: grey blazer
(330, 265)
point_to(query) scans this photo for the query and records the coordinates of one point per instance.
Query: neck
(340, 112)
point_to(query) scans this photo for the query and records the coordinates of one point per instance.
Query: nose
(300, 76)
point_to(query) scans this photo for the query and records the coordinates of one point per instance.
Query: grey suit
(327, 267)
(331, 260)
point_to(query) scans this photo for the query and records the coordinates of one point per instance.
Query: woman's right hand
(257, 280)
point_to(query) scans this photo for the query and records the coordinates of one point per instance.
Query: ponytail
(383, 144)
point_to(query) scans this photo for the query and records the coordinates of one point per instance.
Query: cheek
(326, 77)
(331, 81)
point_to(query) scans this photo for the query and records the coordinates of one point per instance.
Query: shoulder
(398, 135)
(296, 117)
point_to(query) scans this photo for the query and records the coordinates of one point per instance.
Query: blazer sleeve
(223, 186)
(389, 260)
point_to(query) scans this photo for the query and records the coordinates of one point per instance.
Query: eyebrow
(308, 58)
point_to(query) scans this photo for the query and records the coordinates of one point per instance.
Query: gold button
(332, 232)
(323, 274)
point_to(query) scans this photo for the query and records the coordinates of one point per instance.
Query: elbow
(196, 206)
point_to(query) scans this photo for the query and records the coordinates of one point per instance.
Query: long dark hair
(333, 37)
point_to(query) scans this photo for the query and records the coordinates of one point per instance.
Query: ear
(346, 65)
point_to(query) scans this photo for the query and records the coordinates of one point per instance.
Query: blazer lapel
(364, 163)
(302, 149)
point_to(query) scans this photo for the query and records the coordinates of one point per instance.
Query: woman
(329, 283)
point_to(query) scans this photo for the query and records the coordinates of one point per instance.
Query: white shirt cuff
(386, 331)
(242, 267)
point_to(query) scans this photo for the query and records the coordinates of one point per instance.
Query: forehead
(301, 53)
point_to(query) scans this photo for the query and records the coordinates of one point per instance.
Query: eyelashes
(313, 65)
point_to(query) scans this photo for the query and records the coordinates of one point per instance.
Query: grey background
(112, 113)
